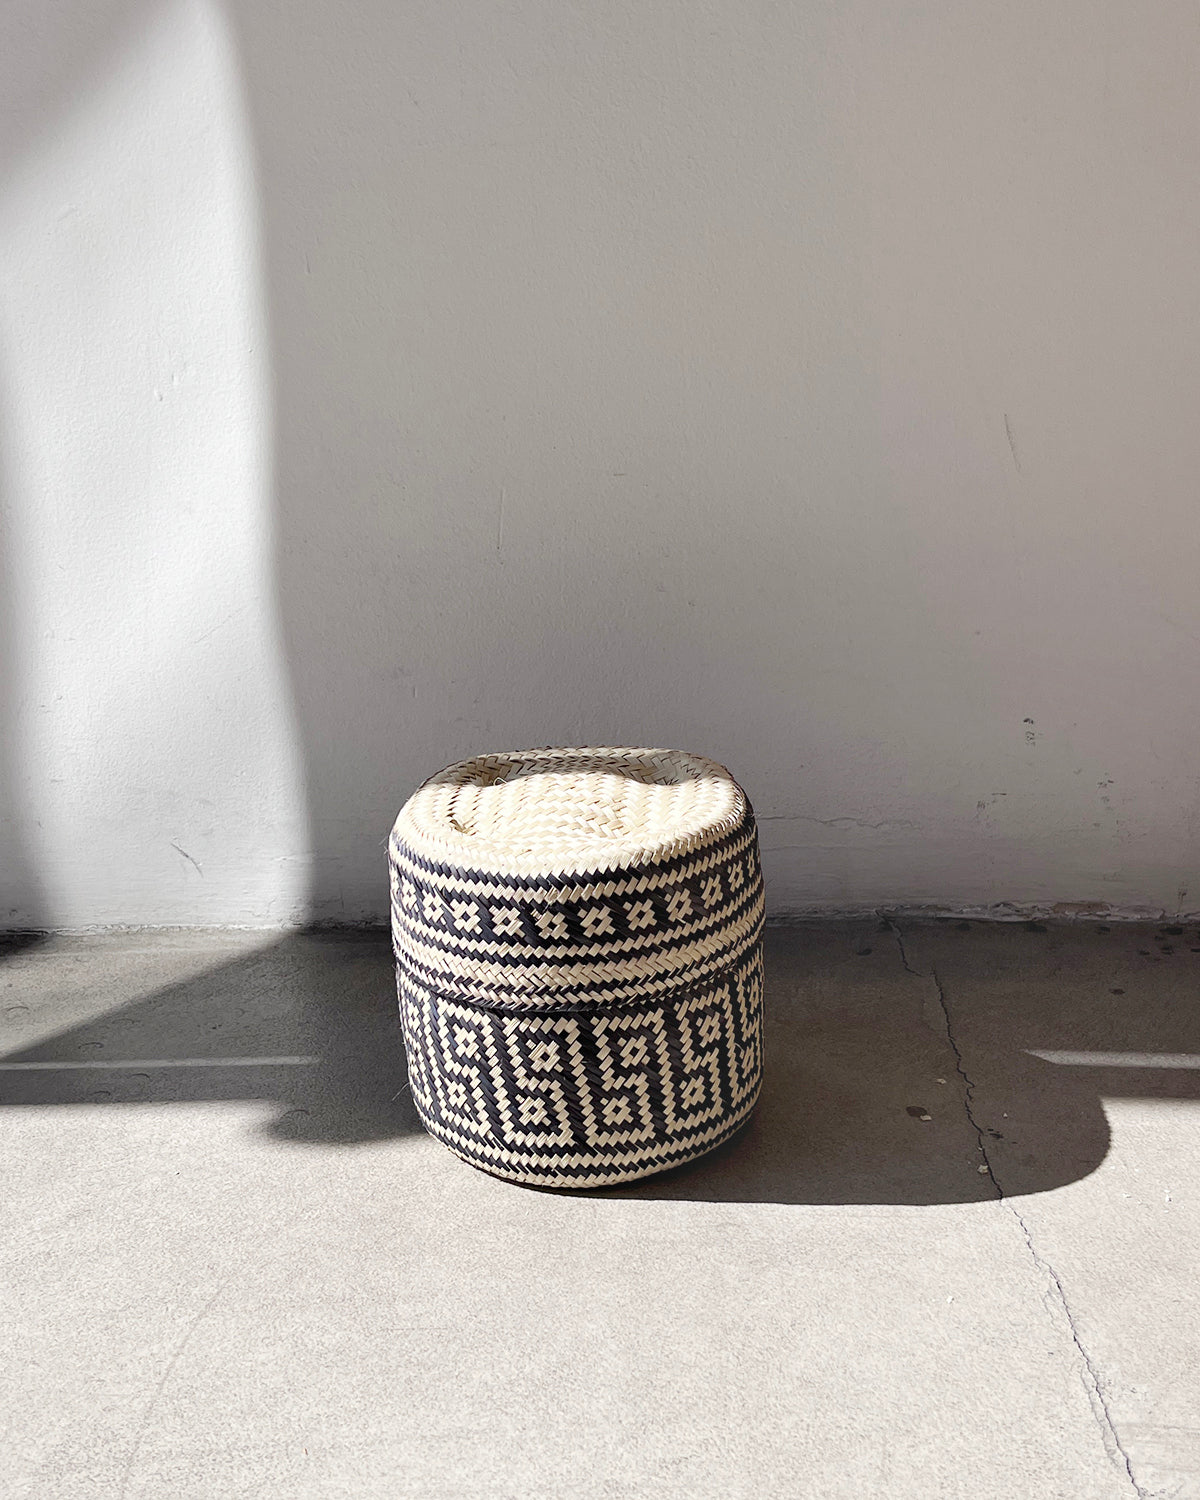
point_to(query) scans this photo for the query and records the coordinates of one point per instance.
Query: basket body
(578, 939)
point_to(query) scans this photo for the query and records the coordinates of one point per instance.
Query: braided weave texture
(578, 939)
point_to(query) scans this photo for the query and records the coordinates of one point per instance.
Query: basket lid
(587, 874)
(569, 811)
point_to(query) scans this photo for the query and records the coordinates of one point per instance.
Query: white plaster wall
(153, 771)
(813, 385)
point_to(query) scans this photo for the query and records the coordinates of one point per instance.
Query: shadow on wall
(615, 368)
(856, 1052)
(499, 521)
(37, 81)
(507, 509)
(21, 907)
(145, 721)
(45, 61)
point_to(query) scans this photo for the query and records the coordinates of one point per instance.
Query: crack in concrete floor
(1092, 1379)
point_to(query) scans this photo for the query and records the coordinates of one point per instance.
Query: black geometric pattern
(524, 938)
(577, 1029)
(592, 1095)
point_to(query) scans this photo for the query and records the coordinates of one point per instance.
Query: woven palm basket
(578, 939)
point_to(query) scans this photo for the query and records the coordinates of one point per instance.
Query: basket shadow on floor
(856, 1051)
(306, 1022)
(865, 1101)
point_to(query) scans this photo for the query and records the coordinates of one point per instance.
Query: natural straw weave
(578, 939)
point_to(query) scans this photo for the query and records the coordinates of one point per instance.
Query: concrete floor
(235, 1266)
